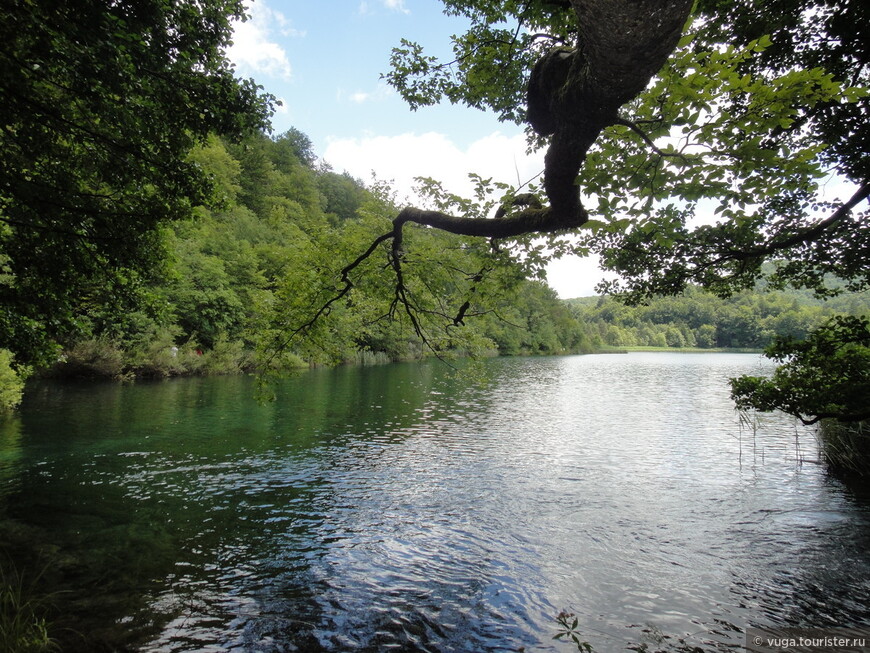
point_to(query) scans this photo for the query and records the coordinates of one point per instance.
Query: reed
(846, 446)
(24, 627)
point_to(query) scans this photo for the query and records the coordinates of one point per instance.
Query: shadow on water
(408, 508)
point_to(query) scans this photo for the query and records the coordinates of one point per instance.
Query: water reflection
(406, 507)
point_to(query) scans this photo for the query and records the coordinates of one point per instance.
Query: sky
(324, 61)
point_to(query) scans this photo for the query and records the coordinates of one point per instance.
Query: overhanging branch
(807, 235)
(577, 93)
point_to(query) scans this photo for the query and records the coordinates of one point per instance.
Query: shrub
(155, 354)
(227, 357)
(11, 383)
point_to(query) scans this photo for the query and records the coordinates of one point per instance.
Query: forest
(697, 319)
(276, 210)
(277, 217)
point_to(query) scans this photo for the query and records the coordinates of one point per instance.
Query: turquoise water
(408, 507)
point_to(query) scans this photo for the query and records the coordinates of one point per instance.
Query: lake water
(411, 508)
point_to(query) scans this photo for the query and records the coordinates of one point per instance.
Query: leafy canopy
(101, 103)
(684, 146)
(743, 124)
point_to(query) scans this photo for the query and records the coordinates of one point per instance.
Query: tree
(807, 34)
(652, 118)
(762, 102)
(574, 92)
(343, 195)
(101, 103)
(733, 124)
(827, 375)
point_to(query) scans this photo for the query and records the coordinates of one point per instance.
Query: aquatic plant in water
(23, 625)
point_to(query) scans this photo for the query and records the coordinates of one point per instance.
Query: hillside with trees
(277, 220)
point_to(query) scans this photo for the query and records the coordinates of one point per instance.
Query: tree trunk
(622, 44)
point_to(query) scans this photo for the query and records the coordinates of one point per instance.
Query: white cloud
(253, 49)
(360, 97)
(380, 92)
(397, 5)
(503, 158)
(401, 158)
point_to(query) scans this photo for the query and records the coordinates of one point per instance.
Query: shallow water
(409, 508)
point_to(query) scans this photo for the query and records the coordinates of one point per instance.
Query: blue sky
(325, 64)
(324, 60)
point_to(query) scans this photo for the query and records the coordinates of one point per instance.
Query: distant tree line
(699, 319)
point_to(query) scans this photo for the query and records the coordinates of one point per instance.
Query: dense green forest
(279, 221)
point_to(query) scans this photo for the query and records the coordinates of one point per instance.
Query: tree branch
(809, 234)
(646, 139)
(621, 44)
(528, 221)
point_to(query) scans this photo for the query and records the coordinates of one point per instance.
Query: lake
(411, 507)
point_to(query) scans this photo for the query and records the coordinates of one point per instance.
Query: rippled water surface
(409, 508)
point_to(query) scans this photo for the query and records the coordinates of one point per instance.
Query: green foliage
(498, 309)
(153, 353)
(99, 357)
(454, 295)
(733, 145)
(568, 623)
(748, 320)
(804, 35)
(225, 357)
(11, 382)
(492, 60)
(262, 259)
(826, 375)
(101, 104)
(343, 196)
(297, 146)
(742, 125)
(206, 302)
